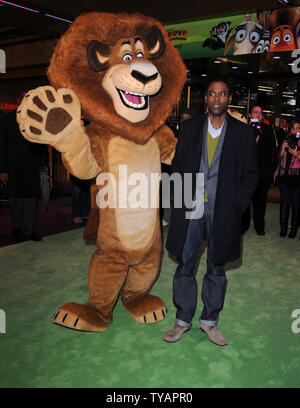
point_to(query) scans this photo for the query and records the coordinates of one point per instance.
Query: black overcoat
(237, 180)
(19, 158)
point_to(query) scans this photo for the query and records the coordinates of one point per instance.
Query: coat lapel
(228, 143)
(199, 138)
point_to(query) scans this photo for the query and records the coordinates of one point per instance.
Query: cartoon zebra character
(263, 45)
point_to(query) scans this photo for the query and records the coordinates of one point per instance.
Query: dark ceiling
(17, 24)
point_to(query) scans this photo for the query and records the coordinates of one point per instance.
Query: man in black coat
(266, 148)
(20, 163)
(224, 150)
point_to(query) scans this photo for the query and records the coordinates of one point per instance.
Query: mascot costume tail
(123, 74)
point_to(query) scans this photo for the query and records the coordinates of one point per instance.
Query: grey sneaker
(175, 333)
(214, 335)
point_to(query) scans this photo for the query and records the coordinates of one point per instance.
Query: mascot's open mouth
(134, 100)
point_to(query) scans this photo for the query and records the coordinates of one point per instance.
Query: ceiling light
(59, 18)
(265, 87)
(9, 3)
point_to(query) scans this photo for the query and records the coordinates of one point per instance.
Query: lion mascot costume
(123, 74)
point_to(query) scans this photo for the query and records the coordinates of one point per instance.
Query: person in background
(282, 132)
(266, 148)
(81, 204)
(81, 197)
(20, 162)
(288, 178)
(285, 123)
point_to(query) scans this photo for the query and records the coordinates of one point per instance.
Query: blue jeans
(185, 283)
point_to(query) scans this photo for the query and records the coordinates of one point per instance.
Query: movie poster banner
(262, 32)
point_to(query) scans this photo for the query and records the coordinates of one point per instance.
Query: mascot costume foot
(122, 74)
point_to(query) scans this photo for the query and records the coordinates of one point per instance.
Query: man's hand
(3, 177)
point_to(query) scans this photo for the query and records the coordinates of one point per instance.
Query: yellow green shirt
(212, 144)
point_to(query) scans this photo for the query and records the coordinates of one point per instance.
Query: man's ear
(98, 55)
(155, 42)
(230, 98)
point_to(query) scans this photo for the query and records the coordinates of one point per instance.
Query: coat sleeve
(175, 164)
(250, 172)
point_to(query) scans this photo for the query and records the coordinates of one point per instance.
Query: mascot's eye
(276, 39)
(140, 55)
(127, 57)
(287, 37)
(254, 37)
(266, 49)
(241, 35)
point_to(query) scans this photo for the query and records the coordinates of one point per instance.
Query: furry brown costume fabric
(126, 75)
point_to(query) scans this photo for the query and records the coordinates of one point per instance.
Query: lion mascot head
(124, 69)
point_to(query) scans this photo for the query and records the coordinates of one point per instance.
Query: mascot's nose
(143, 71)
(143, 78)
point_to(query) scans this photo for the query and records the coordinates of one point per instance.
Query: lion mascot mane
(123, 74)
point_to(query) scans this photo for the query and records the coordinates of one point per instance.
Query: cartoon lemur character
(218, 36)
(244, 37)
(126, 75)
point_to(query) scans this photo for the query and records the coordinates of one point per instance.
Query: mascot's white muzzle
(130, 86)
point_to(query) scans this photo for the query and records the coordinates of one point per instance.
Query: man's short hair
(253, 106)
(288, 120)
(218, 78)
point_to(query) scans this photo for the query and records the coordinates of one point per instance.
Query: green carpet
(263, 351)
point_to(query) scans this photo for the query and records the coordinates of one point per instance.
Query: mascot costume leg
(122, 73)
